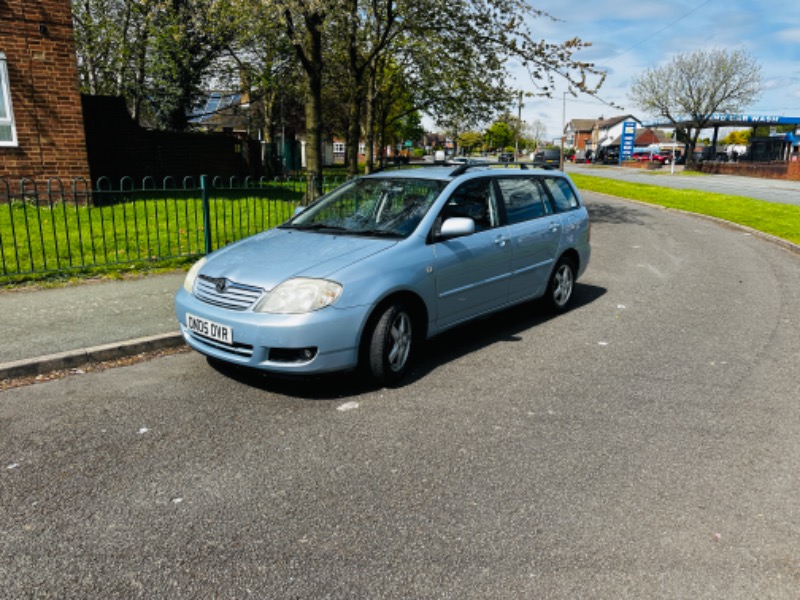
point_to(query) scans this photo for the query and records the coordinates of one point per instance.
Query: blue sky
(631, 37)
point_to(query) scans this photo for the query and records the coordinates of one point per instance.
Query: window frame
(5, 92)
(492, 204)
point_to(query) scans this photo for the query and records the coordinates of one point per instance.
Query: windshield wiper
(376, 233)
(317, 227)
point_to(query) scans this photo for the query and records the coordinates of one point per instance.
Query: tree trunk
(369, 141)
(354, 130)
(314, 69)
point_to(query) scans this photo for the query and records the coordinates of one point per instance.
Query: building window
(338, 148)
(8, 133)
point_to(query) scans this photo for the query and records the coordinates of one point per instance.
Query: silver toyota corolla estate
(383, 262)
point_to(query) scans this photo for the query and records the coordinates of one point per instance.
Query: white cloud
(791, 36)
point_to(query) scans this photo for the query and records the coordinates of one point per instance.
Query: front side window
(8, 134)
(474, 200)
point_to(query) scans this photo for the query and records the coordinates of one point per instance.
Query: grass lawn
(780, 220)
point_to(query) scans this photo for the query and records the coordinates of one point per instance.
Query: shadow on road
(504, 326)
(614, 213)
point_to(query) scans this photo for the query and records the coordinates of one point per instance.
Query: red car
(648, 156)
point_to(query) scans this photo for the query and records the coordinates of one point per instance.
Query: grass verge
(779, 220)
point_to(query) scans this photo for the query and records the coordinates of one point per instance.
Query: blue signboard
(736, 120)
(628, 140)
(753, 119)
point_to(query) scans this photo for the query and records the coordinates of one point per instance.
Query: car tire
(391, 341)
(561, 285)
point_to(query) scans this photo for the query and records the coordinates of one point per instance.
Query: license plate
(210, 329)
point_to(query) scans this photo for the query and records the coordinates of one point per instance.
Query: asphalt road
(644, 445)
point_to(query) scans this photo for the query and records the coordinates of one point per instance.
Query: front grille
(226, 293)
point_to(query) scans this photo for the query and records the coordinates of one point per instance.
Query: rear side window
(524, 199)
(562, 193)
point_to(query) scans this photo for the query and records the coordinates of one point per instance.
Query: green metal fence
(51, 227)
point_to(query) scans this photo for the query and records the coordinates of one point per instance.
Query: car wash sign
(628, 140)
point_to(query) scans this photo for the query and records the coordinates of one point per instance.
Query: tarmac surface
(65, 327)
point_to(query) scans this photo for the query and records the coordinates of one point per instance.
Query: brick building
(578, 133)
(41, 119)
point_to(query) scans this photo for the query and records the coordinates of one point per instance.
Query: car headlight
(191, 276)
(297, 296)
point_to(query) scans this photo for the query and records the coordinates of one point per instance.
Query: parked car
(650, 156)
(608, 156)
(467, 160)
(549, 157)
(385, 261)
(506, 157)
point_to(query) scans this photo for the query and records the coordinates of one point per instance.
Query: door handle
(500, 241)
(555, 226)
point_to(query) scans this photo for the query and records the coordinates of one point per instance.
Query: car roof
(452, 172)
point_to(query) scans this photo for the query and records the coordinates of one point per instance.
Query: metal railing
(46, 228)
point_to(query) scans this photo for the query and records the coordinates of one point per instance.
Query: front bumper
(276, 343)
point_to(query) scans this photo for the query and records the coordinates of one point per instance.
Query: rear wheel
(390, 343)
(561, 285)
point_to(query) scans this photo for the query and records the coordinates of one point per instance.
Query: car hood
(267, 259)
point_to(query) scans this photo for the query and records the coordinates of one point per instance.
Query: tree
(500, 135)
(305, 27)
(112, 39)
(188, 36)
(366, 66)
(737, 138)
(696, 85)
(155, 53)
(469, 140)
(536, 132)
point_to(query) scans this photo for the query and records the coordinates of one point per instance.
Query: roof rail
(463, 168)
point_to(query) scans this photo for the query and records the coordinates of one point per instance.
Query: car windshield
(390, 207)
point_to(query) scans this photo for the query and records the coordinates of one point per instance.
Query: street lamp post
(563, 129)
(519, 125)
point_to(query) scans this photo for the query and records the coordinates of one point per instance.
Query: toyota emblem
(221, 285)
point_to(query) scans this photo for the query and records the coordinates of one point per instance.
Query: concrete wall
(790, 170)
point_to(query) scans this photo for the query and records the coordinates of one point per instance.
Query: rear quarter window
(562, 193)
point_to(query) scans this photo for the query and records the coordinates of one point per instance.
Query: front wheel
(561, 285)
(390, 344)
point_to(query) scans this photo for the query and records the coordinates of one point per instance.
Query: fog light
(292, 355)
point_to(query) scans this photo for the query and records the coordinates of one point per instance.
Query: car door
(566, 205)
(473, 271)
(535, 233)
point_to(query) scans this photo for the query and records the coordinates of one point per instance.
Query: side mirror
(457, 227)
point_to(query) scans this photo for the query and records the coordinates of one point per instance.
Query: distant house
(222, 112)
(578, 133)
(41, 121)
(607, 133)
